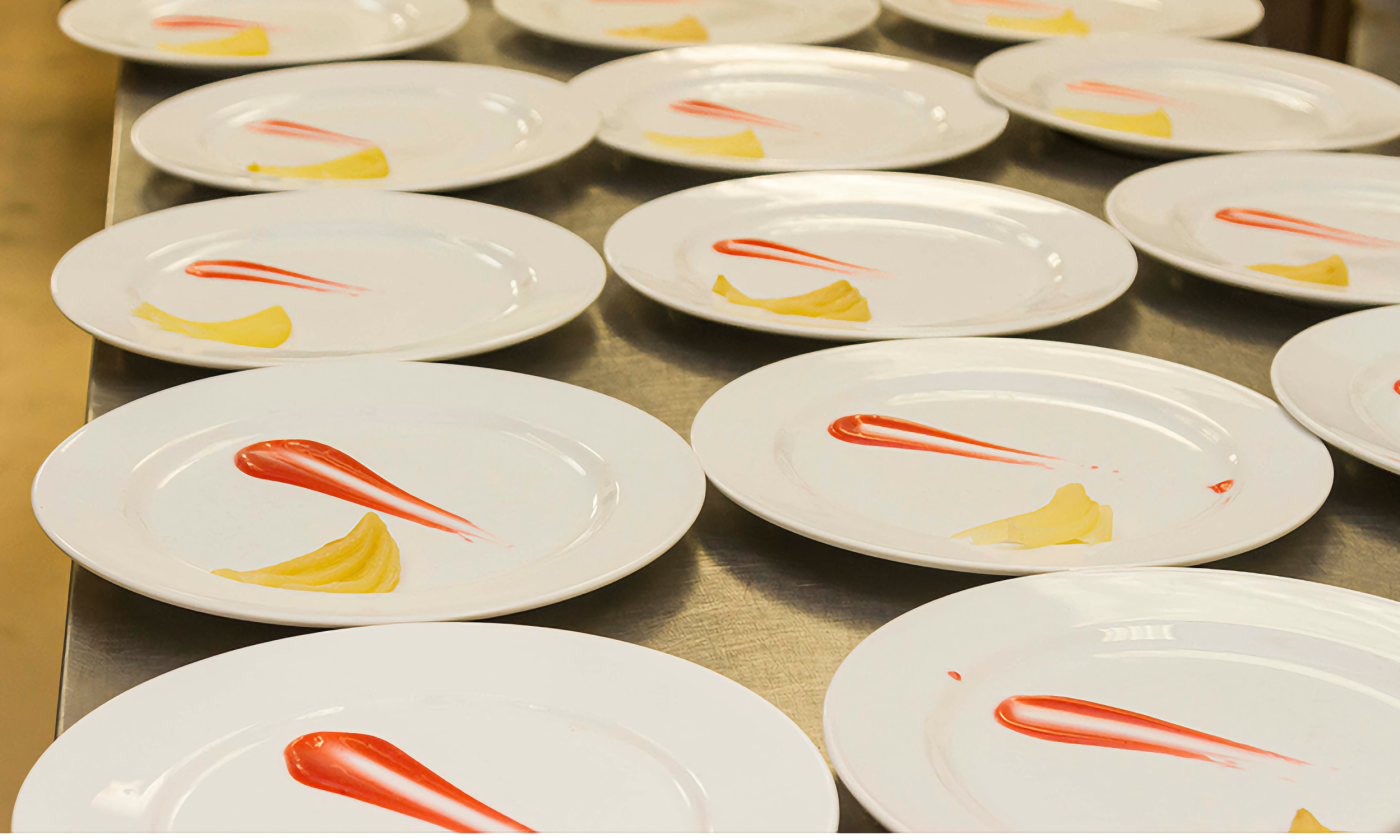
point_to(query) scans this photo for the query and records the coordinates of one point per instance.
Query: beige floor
(55, 127)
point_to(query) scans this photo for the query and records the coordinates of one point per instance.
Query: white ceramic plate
(1341, 379)
(1298, 669)
(1217, 97)
(1032, 20)
(577, 488)
(932, 256)
(638, 25)
(291, 31)
(1195, 468)
(442, 278)
(560, 731)
(436, 125)
(1218, 216)
(787, 108)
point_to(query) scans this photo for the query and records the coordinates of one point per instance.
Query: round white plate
(578, 489)
(806, 107)
(442, 278)
(1347, 205)
(297, 31)
(1018, 20)
(559, 731)
(932, 256)
(1298, 669)
(1341, 379)
(439, 125)
(1218, 97)
(639, 25)
(1196, 468)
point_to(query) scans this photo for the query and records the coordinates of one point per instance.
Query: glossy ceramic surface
(1341, 379)
(563, 732)
(932, 256)
(438, 125)
(1195, 468)
(1028, 20)
(639, 25)
(297, 31)
(1218, 216)
(574, 489)
(805, 107)
(1303, 673)
(434, 278)
(1218, 97)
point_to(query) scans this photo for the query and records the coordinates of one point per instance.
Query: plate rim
(1167, 145)
(167, 59)
(229, 362)
(821, 535)
(1362, 450)
(1011, 36)
(244, 184)
(716, 163)
(1239, 279)
(261, 614)
(840, 762)
(836, 333)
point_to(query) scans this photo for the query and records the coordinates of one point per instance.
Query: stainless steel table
(769, 609)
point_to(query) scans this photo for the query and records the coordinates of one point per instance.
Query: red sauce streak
(1223, 487)
(1070, 721)
(373, 770)
(955, 675)
(1105, 89)
(209, 269)
(285, 128)
(202, 22)
(1397, 387)
(749, 248)
(315, 466)
(709, 109)
(865, 429)
(1288, 224)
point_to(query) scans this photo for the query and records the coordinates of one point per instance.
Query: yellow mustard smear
(1305, 823)
(1155, 124)
(1329, 272)
(268, 328)
(363, 562)
(367, 163)
(838, 302)
(1070, 517)
(744, 144)
(688, 28)
(250, 41)
(1065, 24)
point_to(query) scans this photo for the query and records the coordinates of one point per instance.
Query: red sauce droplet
(1071, 721)
(755, 248)
(700, 108)
(1288, 224)
(375, 771)
(955, 675)
(875, 430)
(324, 469)
(213, 269)
(1397, 387)
(1223, 487)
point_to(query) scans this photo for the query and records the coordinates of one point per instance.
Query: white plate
(1341, 379)
(439, 125)
(1007, 20)
(1299, 669)
(594, 23)
(933, 256)
(1155, 441)
(560, 731)
(578, 489)
(296, 31)
(1218, 97)
(807, 107)
(1171, 213)
(443, 278)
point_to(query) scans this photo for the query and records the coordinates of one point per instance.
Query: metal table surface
(772, 610)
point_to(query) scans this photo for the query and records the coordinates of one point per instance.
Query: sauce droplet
(955, 675)
(1223, 487)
